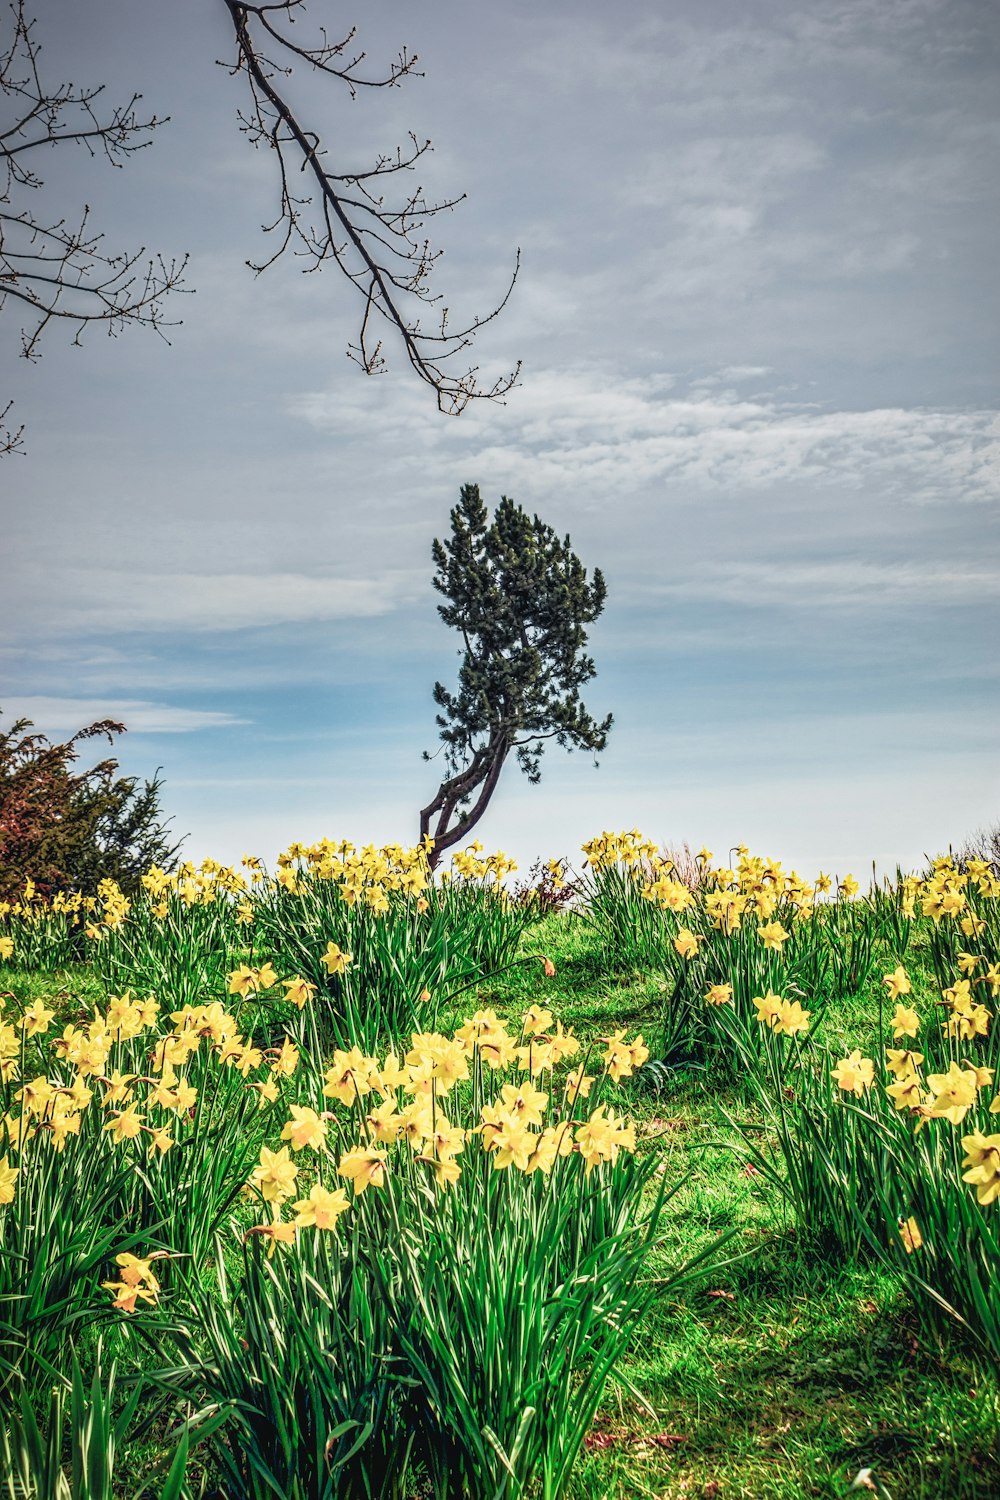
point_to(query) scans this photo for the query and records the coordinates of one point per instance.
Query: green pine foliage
(520, 599)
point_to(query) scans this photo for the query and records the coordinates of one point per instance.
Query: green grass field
(781, 1375)
(783, 1378)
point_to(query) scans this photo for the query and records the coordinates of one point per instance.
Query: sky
(757, 315)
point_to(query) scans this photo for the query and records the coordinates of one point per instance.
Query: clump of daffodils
(755, 887)
(965, 1087)
(141, 1072)
(483, 1097)
(783, 1017)
(373, 878)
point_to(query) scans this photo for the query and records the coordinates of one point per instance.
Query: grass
(781, 1377)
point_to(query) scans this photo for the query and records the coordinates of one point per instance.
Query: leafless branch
(10, 437)
(58, 269)
(379, 246)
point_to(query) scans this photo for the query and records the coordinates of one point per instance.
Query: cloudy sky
(758, 320)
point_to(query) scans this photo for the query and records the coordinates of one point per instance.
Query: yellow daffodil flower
(768, 1008)
(686, 943)
(298, 991)
(8, 1177)
(905, 1022)
(854, 1074)
(335, 960)
(910, 1235)
(773, 936)
(305, 1128)
(275, 1176)
(983, 1160)
(321, 1209)
(897, 983)
(365, 1167)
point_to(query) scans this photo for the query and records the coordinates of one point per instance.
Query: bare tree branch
(379, 246)
(10, 437)
(56, 269)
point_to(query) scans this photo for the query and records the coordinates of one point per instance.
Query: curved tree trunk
(436, 817)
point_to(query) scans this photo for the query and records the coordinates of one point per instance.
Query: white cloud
(731, 172)
(799, 583)
(592, 430)
(58, 715)
(96, 600)
(743, 372)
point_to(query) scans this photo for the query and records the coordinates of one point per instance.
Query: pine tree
(520, 598)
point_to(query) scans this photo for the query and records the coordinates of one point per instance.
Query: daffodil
(524, 1103)
(952, 1094)
(854, 1074)
(618, 1057)
(536, 1020)
(554, 1141)
(161, 1140)
(37, 1018)
(638, 1052)
(136, 1271)
(125, 1125)
(305, 1128)
(686, 943)
(906, 1092)
(34, 1096)
(242, 980)
(578, 1084)
(792, 1019)
(991, 978)
(910, 1235)
(275, 1176)
(773, 936)
(383, 1121)
(298, 991)
(901, 1063)
(347, 1080)
(602, 1137)
(415, 1123)
(983, 1160)
(768, 1008)
(185, 1096)
(512, 1143)
(905, 1022)
(136, 1280)
(390, 1076)
(321, 1209)
(446, 1140)
(446, 1170)
(126, 1296)
(8, 1177)
(897, 983)
(335, 960)
(276, 1233)
(364, 1166)
(118, 1088)
(286, 1060)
